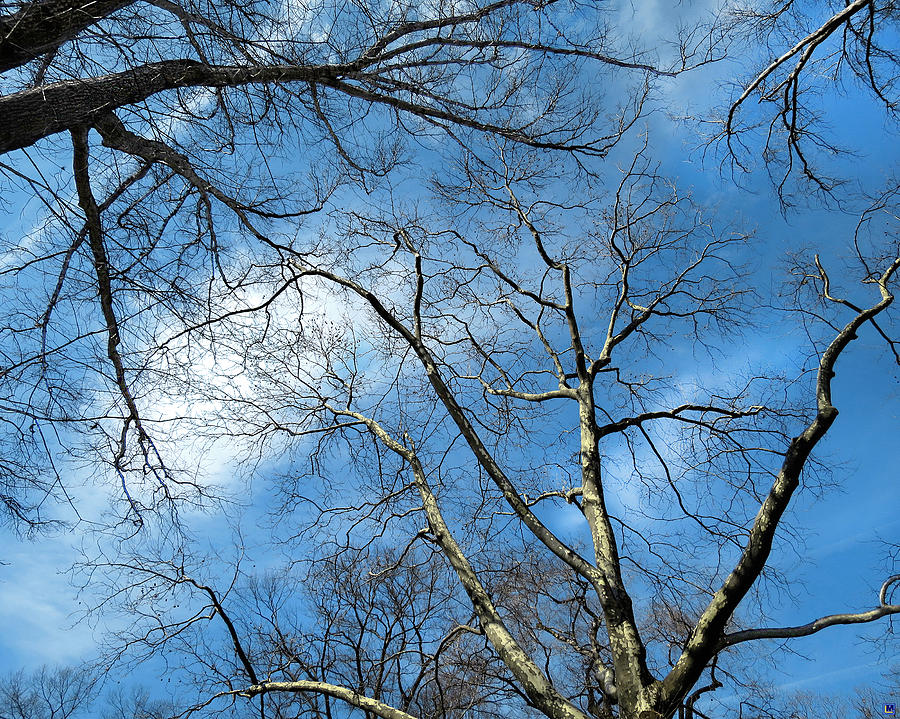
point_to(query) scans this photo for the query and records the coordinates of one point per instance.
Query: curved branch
(709, 630)
(818, 625)
(675, 413)
(812, 40)
(386, 711)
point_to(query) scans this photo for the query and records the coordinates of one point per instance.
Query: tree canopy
(421, 272)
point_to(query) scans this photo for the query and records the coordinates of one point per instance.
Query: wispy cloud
(844, 674)
(38, 603)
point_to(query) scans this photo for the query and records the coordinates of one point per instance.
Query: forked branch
(708, 634)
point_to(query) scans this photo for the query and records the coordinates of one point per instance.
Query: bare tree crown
(381, 250)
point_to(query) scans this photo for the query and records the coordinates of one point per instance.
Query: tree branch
(46, 110)
(535, 684)
(238, 648)
(104, 286)
(385, 711)
(818, 625)
(813, 40)
(43, 26)
(707, 635)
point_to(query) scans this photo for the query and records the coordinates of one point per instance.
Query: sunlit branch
(810, 43)
(535, 684)
(456, 412)
(361, 701)
(708, 632)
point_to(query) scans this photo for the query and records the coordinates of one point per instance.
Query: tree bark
(31, 115)
(41, 27)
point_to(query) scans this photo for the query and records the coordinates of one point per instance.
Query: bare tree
(47, 693)
(66, 692)
(498, 493)
(812, 54)
(214, 122)
(136, 703)
(868, 702)
(502, 368)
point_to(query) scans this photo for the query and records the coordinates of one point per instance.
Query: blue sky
(843, 563)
